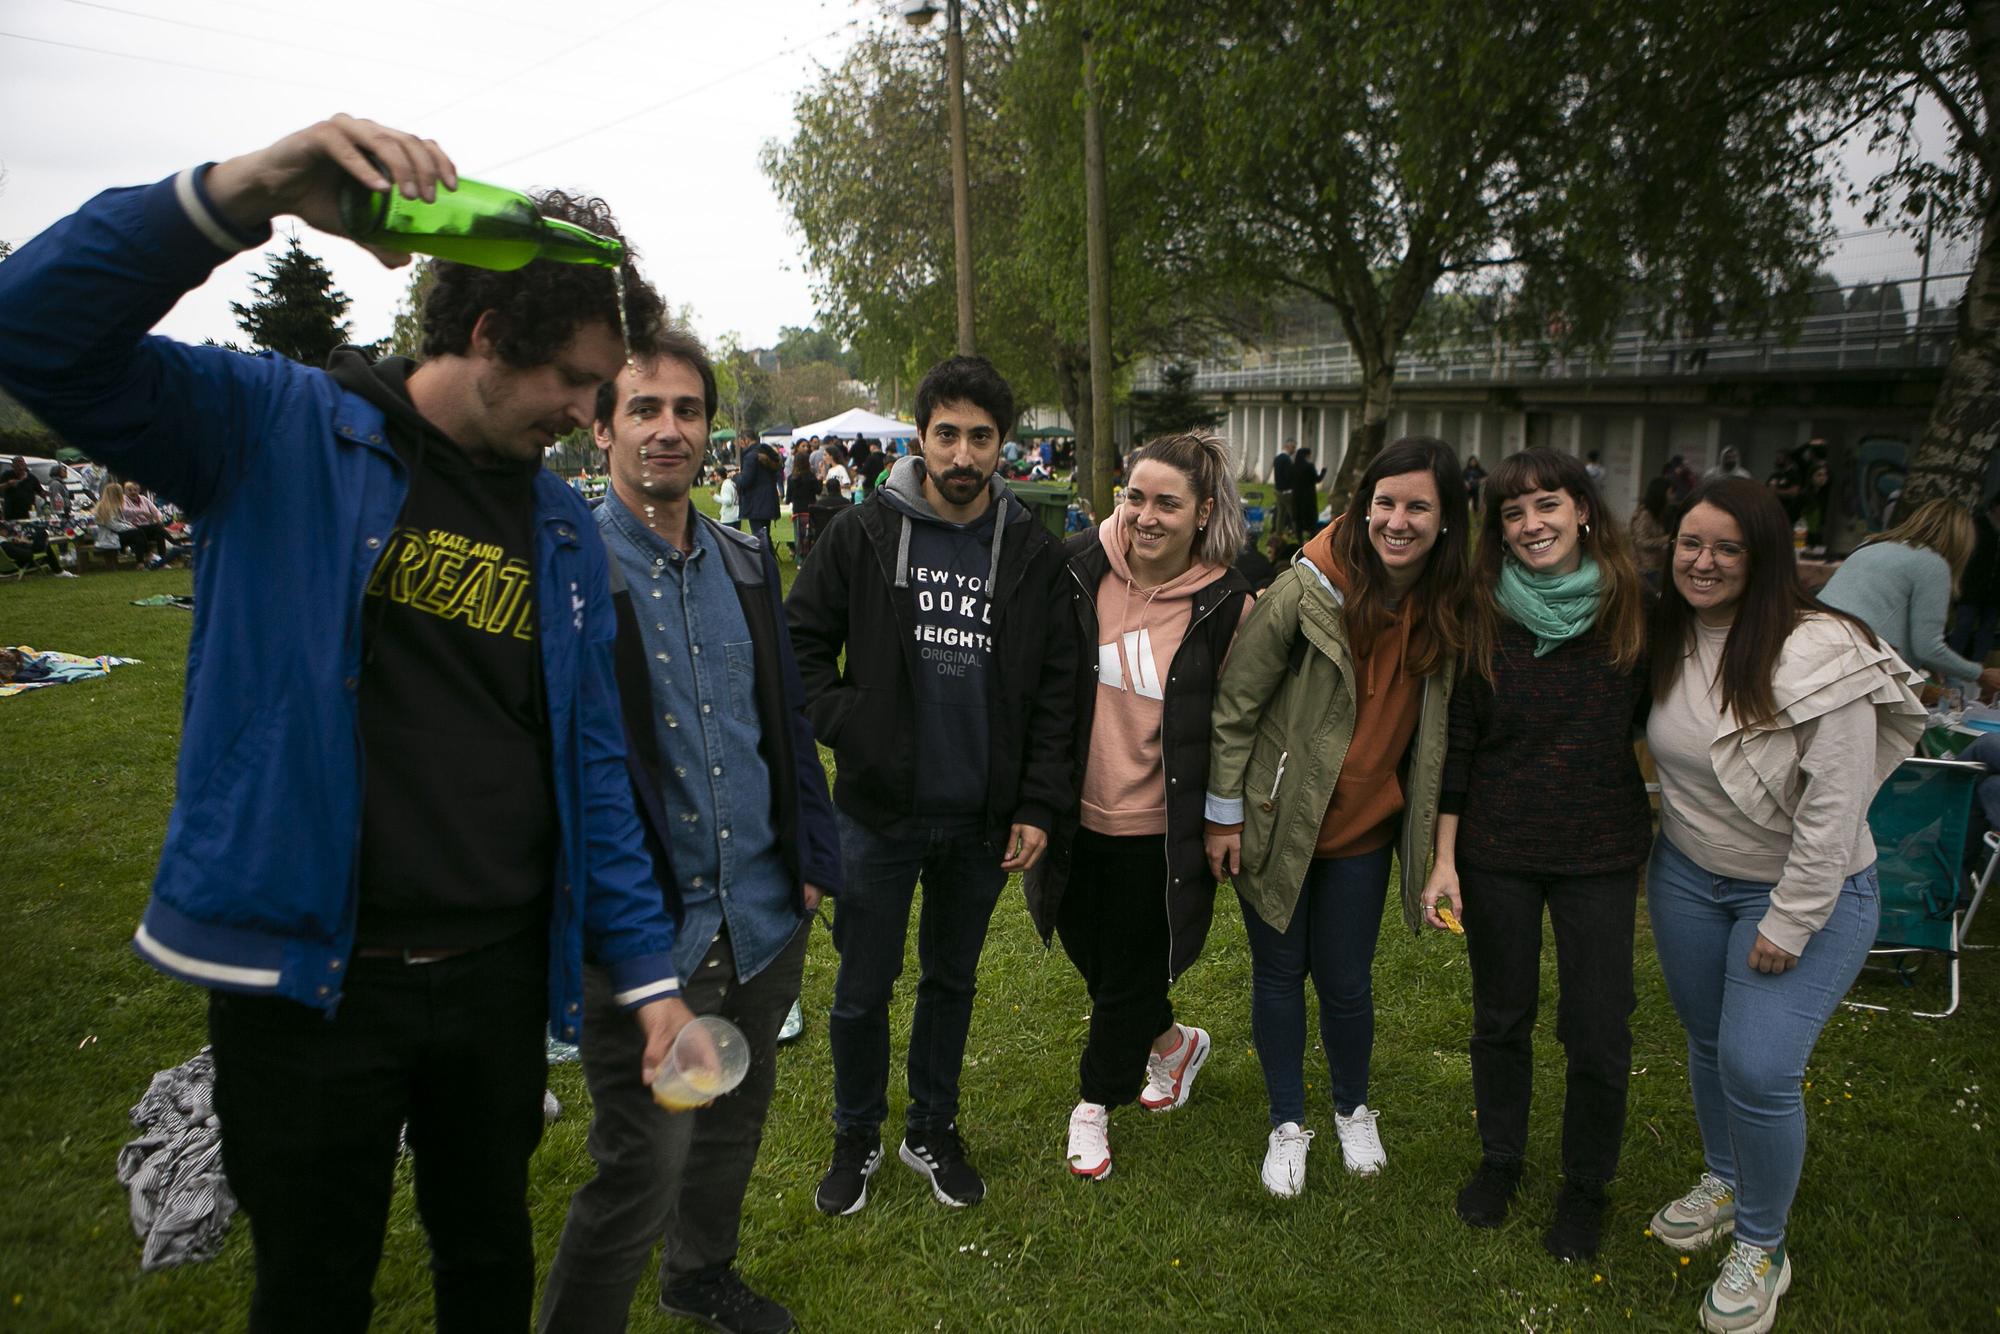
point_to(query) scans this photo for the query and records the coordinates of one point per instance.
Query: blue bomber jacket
(294, 489)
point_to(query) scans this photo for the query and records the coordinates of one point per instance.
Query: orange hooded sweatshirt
(1139, 631)
(1368, 795)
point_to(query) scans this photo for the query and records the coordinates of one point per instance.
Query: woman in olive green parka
(1328, 752)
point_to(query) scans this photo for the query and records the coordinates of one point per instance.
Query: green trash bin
(1049, 501)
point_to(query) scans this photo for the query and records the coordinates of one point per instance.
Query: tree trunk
(1952, 458)
(1964, 428)
(1365, 441)
(1072, 368)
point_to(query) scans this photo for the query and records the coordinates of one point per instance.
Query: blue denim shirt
(714, 781)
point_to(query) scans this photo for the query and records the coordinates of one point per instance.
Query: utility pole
(1097, 250)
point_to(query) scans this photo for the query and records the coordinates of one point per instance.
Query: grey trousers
(678, 1177)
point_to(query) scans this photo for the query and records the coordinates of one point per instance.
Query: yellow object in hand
(1450, 920)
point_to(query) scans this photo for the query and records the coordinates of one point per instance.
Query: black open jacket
(845, 601)
(1189, 891)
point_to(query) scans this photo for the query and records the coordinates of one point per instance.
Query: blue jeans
(1986, 751)
(1972, 631)
(962, 880)
(1332, 936)
(1750, 1033)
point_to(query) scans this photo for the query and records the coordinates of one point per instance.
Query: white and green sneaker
(1698, 1217)
(1744, 1297)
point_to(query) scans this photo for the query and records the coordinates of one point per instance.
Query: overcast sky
(660, 106)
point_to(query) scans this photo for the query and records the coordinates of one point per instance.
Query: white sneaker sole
(861, 1200)
(1202, 1047)
(923, 1169)
(1089, 1173)
(1764, 1322)
(1693, 1241)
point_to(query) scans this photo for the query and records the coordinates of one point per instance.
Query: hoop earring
(1586, 530)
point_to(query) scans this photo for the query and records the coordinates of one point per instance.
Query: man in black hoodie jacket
(950, 721)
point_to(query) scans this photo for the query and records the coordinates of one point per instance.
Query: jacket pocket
(742, 661)
(1263, 794)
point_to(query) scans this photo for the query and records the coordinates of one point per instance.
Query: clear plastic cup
(709, 1058)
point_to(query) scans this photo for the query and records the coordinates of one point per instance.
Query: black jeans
(1593, 918)
(871, 920)
(660, 1174)
(1113, 925)
(310, 1108)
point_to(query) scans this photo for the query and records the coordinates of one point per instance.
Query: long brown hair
(1772, 605)
(1621, 612)
(1439, 593)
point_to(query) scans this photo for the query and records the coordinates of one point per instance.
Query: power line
(431, 71)
(457, 102)
(669, 101)
(285, 79)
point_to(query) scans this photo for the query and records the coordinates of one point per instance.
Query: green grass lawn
(1890, 1231)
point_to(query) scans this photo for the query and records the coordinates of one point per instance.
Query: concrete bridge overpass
(1863, 380)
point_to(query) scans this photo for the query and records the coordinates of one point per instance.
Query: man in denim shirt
(730, 787)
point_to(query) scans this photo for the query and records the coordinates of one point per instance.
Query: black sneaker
(1487, 1197)
(844, 1188)
(719, 1299)
(1579, 1221)
(940, 1156)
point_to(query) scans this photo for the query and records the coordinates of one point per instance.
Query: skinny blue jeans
(1331, 937)
(1750, 1033)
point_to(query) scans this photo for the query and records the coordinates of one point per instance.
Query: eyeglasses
(1689, 549)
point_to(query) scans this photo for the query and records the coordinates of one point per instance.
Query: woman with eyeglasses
(1774, 721)
(1544, 810)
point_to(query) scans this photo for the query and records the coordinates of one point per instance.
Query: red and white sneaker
(1170, 1078)
(1089, 1141)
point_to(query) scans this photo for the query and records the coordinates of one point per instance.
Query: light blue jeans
(1750, 1033)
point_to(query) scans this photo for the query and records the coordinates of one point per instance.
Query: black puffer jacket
(1184, 734)
(848, 599)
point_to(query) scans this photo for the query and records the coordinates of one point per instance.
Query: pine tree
(297, 311)
(1173, 407)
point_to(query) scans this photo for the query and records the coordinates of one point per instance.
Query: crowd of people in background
(49, 525)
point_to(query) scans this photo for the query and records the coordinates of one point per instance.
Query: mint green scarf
(1554, 608)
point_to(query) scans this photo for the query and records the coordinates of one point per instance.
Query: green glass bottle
(484, 225)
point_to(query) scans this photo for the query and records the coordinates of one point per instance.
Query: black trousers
(1593, 920)
(681, 1176)
(311, 1106)
(1113, 925)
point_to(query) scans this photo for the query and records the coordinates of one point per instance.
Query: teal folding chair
(1920, 820)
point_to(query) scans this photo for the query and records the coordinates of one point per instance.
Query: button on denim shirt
(714, 782)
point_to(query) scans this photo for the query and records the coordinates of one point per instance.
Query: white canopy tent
(857, 422)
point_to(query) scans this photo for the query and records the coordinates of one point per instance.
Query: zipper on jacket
(1167, 838)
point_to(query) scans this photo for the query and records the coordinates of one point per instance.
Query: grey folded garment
(181, 1202)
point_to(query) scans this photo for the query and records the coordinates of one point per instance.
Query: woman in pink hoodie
(1125, 883)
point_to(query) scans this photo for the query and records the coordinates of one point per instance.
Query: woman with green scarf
(1543, 808)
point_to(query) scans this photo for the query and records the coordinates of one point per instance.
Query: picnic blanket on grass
(23, 668)
(181, 1203)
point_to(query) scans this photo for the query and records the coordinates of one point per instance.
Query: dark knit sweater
(1541, 771)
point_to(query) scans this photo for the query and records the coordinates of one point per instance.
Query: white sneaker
(65, 574)
(1089, 1141)
(1170, 1078)
(1285, 1160)
(1744, 1297)
(1360, 1142)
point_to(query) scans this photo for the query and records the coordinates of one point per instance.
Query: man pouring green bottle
(402, 805)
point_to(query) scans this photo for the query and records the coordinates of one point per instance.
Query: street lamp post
(917, 13)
